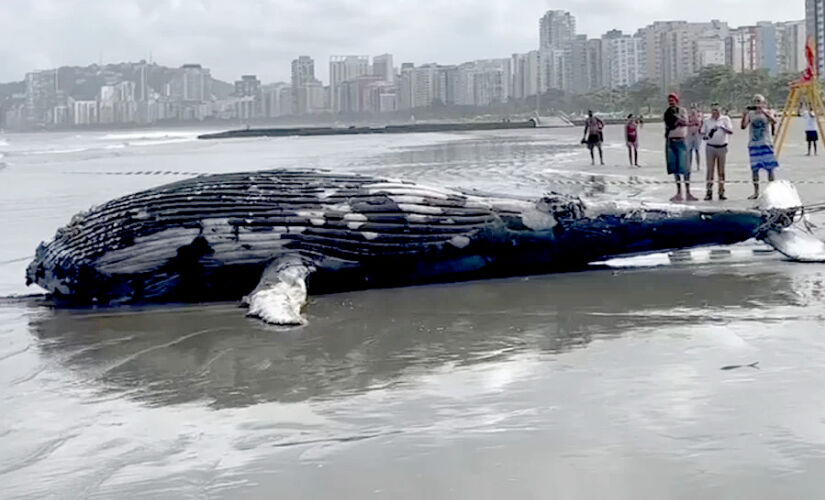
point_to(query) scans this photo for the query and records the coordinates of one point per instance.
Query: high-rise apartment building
(557, 30)
(790, 46)
(651, 39)
(41, 97)
(742, 49)
(195, 83)
(305, 87)
(525, 69)
(622, 59)
(342, 69)
(382, 68)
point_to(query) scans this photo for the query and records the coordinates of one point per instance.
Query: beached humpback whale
(274, 236)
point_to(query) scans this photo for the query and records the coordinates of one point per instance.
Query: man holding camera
(760, 147)
(716, 130)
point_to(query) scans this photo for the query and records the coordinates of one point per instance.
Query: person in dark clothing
(593, 137)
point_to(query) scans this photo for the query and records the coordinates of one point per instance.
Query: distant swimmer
(760, 147)
(593, 136)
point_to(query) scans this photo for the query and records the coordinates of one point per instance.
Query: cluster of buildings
(666, 53)
(187, 96)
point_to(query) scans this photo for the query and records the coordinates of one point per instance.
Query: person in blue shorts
(676, 153)
(760, 146)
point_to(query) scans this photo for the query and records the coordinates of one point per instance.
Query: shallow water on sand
(601, 384)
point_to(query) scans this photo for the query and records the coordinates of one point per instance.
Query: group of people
(680, 144)
(686, 130)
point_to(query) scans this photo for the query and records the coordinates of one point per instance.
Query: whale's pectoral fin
(793, 237)
(281, 293)
(797, 243)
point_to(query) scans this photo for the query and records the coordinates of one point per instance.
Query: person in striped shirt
(760, 146)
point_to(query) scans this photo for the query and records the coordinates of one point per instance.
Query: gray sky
(262, 36)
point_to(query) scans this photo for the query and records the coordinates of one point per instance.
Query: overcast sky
(262, 36)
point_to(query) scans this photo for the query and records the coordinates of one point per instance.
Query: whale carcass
(274, 236)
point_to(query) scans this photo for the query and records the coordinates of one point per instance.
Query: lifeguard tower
(804, 90)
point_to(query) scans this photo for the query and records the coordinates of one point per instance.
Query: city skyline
(264, 37)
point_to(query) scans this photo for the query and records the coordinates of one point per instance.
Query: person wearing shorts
(694, 136)
(631, 136)
(593, 137)
(811, 131)
(715, 131)
(760, 146)
(676, 155)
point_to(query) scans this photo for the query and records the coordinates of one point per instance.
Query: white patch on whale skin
(354, 216)
(354, 225)
(341, 207)
(281, 294)
(309, 214)
(400, 188)
(369, 235)
(459, 241)
(414, 200)
(418, 218)
(420, 209)
(537, 220)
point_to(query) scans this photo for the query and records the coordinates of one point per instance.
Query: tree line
(720, 84)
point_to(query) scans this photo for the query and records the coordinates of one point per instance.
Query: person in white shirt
(811, 130)
(716, 130)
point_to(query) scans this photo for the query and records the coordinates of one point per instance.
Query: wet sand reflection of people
(593, 130)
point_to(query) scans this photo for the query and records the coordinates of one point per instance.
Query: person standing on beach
(676, 121)
(631, 136)
(716, 130)
(694, 138)
(760, 147)
(593, 127)
(811, 130)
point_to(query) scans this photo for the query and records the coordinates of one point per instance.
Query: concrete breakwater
(388, 129)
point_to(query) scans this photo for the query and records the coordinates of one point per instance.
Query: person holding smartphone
(760, 146)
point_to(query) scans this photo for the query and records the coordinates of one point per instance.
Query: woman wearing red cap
(676, 155)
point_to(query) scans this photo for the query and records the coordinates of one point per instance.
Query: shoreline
(387, 129)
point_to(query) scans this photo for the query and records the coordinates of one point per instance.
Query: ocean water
(626, 382)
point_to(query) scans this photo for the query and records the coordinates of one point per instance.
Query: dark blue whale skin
(211, 237)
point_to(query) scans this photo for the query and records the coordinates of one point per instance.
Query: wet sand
(599, 384)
